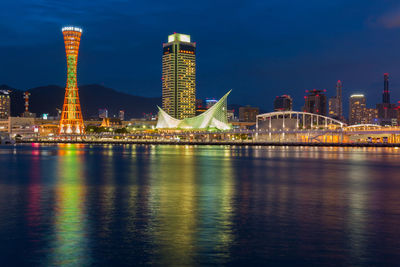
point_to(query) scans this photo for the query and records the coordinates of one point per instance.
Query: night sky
(260, 49)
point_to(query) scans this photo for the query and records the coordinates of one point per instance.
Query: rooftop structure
(215, 117)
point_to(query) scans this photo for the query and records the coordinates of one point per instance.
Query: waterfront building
(179, 76)
(103, 113)
(71, 121)
(213, 118)
(387, 112)
(5, 104)
(315, 102)
(357, 109)
(18, 125)
(283, 103)
(248, 114)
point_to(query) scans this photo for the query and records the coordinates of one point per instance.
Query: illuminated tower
(71, 117)
(179, 76)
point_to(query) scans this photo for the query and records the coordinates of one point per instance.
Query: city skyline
(199, 133)
(314, 62)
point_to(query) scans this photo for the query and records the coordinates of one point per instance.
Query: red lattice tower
(71, 117)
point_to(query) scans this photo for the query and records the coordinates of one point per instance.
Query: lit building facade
(315, 102)
(283, 103)
(71, 121)
(248, 114)
(5, 104)
(179, 76)
(357, 109)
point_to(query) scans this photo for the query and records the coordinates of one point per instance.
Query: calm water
(79, 205)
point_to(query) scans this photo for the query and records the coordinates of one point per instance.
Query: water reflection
(189, 205)
(70, 244)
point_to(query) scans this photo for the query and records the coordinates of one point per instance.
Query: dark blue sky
(259, 49)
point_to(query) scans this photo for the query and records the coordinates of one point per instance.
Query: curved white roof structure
(214, 117)
(296, 120)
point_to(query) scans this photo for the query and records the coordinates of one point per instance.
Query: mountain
(47, 99)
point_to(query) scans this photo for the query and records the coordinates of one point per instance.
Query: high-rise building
(336, 104)
(339, 101)
(283, 103)
(387, 112)
(179, 76)
(315, 102)
(248, 114)
(357, 109)
(121, 115)
(71, 121)
(5, 104)
(386, 93)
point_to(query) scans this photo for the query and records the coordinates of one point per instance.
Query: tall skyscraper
(283, 103)
(315, 102)
(339, 99)
(386, 93)
(387, 112)
(5, 104)
(71, 117)
(336, 103)
(179, 76)
(357, 109)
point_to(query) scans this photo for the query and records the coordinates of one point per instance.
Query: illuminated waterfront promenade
(276, 128)
(350, 136)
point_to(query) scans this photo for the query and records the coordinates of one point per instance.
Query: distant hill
(47, 99)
